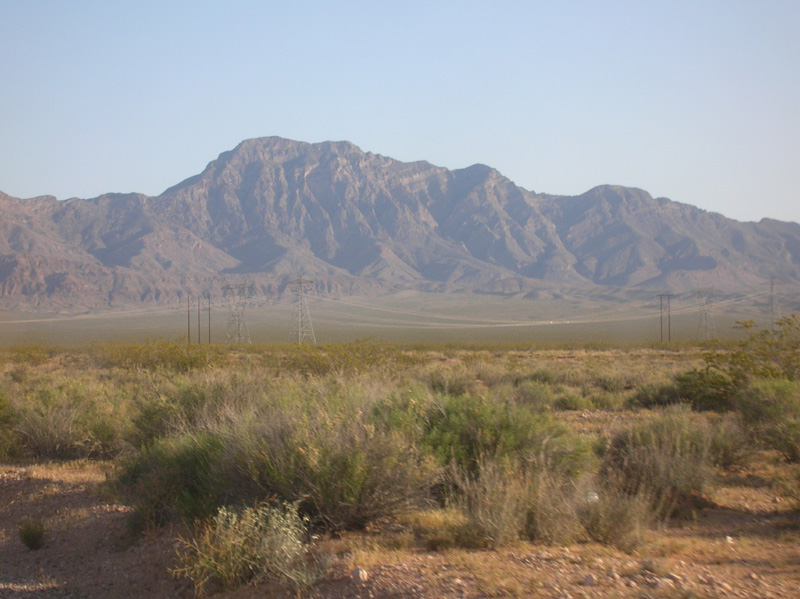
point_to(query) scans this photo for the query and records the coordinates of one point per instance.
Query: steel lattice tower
(304, 331)
(705, 326)
(237, 301)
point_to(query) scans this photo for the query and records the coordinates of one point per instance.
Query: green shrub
(573, 400)
(48, 428)
(534, 395)
(706, 389)
(656, 395)
(770, 410)
(69, 418)
(344, 472)
(446, 382)
(251, 545)
(766, 353)
(155, 355)
(465, 430)
(175, 477)
(32, 533)
(9, 439)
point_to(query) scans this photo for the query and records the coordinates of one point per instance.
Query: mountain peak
(272, 207)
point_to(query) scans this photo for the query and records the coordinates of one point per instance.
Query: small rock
(360, 575)
(752, 576)
(589, 581)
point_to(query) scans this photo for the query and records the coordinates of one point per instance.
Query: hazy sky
(698, 101)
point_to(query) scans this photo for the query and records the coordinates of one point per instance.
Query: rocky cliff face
(359, 222)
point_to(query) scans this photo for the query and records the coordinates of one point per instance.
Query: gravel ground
(751, 551)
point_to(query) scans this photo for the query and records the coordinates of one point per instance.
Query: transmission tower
(304, 331)
(774, 309)
(237, 301)
(705, 326)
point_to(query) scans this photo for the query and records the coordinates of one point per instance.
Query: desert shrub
(552, 515)
(155, 416)
(505, 501)
(403, 409)
(32, 533)
(612, 516)
(606, 400)
(534, 395)
(47, 428)
(494, 500)
(175, 477)
(155, 355)
(193, 402)
(572, 399)
(343, 358)
(321, 442)
(68, 419)
(764, 354)
(9, 441)
(665, 458)
(770, 411)
(729, 444)
(344, 472)
(653, 395)
(706, 389)
(250, 545)
(548, 377)
(615, 382)
(31, 355)
(449, 382)
(464, 430)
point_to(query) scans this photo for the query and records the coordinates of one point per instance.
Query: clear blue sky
(698, 101)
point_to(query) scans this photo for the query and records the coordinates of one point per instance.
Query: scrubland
(283, 466)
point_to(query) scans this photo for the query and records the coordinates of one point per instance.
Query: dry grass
(349, 416)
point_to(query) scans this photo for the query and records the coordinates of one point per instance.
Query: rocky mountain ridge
(362, 223)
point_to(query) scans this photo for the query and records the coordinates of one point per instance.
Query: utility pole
(237, 300)
(188, 319)
(209, 318)
(305, 330)
(669, 316)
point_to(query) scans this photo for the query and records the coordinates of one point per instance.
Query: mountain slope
(358, 222)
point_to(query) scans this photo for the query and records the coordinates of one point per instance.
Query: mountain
(356, 222)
